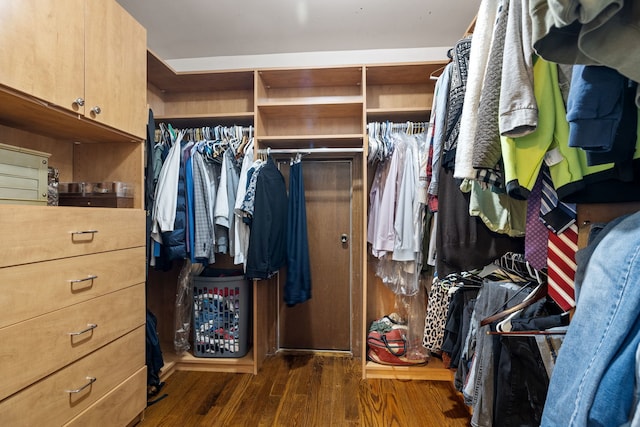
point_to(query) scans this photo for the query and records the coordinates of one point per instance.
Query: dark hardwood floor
(304, 390)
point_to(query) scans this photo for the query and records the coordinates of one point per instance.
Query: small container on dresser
(23, 175)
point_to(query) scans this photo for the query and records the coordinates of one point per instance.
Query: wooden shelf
(196, 120)
(188, 362)
(312, 109)
(31, 114)
(402, 73)
(317, 100)
(163, 77)
(398, 114)
(311, 141)
(308, 77)
(432, 371)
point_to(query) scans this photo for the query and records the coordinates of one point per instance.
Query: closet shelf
(432, 371)
(34, 115)
(186, 361)
(311, 141)
(398, 114)
(307, 77)
(312, 110)
(196, 120)
(310, 100)
(402, 74)
(163, 77)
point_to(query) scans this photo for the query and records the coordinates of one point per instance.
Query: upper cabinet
(115, 74)
(78, 58)
(42, 50)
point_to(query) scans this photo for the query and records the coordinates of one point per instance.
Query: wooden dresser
(72, 279)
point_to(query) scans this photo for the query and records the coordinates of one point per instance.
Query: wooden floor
(301, 391)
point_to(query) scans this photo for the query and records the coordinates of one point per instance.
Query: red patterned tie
(561, 266)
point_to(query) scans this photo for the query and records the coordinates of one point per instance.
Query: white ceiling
(180, 29)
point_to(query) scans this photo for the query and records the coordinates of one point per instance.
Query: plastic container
(221, 315)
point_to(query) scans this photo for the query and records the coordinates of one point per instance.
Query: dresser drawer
(37, 347)
(31, 290)
(120, 406)
(49, 402)
(41, 233)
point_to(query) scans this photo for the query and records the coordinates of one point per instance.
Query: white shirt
(166, 197)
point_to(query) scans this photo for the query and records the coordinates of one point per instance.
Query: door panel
(42, 49)
(116, 68)
(324, 321)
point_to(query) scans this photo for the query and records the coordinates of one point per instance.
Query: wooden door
(42, 49)
(115, 67)
(324, 321)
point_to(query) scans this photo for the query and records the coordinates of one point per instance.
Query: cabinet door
(42, 49)
(115, 67)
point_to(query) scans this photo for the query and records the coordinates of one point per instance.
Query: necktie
(560, 219)
(556, 215)
(562, 266)
(536, 234)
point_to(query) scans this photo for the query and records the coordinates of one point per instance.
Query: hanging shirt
(384, 238)
(267, 251)
(204, 240)
(164, 208)
(241, 229)
(405, 222)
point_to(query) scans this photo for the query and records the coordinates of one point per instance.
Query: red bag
(387, 341)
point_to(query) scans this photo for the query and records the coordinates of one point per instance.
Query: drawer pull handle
(90, 327)
(85, 232)
(78, 390)
(86, 279)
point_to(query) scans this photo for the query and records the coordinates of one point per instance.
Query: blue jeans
(585, 388)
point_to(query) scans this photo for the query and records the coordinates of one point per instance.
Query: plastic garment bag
(184, 305)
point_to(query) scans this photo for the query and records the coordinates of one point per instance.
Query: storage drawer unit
(66, 232)
(40, 346)
(52, 285)
(66, 393)
(119, 406)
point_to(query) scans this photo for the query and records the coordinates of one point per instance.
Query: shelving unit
(297, 109)
(396, 93)
(304, 108)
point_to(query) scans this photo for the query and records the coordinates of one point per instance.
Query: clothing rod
(311, 150)
(526, 333)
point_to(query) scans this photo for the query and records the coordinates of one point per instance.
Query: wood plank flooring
(301, 391)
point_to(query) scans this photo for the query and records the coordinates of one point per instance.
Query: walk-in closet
(317, 213)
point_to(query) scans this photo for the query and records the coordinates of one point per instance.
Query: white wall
(309, 59)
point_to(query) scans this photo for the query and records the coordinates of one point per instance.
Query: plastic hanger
(435, 74)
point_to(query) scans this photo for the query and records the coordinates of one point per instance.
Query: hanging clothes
(396, 211)
(297, 288)
(267, 251)
(194, 208)
(241, 228)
